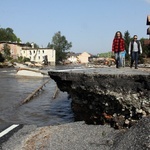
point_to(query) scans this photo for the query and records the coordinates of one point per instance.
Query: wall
(83, 58)
(38, 54)
(15, 49)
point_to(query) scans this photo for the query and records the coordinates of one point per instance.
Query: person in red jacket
(118, 46)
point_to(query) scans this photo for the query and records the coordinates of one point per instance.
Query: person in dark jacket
(118, 46)
(135, 49)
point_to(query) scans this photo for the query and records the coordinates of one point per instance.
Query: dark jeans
(134, 58)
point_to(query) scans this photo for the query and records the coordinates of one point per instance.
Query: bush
(2, 59)
(23, 59)
(26, 59)
(141, 59)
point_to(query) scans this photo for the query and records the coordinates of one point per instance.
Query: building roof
(37, 48)
(15, 43)
(73, 54)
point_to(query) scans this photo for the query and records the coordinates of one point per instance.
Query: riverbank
(80, 136)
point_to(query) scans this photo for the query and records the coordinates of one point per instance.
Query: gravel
(80, 136)
(77, 136)
(136, 138)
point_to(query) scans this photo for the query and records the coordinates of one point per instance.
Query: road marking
(8, 130)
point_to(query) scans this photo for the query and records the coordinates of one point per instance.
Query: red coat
(118, 45)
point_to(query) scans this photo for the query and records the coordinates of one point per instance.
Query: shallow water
(42, 110)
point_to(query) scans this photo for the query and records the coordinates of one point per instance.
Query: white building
(34, 54)
(78, 57)
(39, 55)
(72, 57)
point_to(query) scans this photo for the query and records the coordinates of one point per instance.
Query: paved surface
(108, 70)
(80, 136)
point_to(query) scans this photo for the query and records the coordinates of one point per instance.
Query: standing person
(118, 46)
(135, 49)
(123, 54)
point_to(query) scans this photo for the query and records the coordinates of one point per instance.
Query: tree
(30, 45)
(146, 48)
(61, 45)
(8, 35)
(127, 39)
(36, 46)
(6, 51)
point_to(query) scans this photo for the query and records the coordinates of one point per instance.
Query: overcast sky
(89, 24)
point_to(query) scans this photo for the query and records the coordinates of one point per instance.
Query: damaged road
(119, 97)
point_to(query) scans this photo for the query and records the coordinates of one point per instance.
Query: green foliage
(29, 45)
(105, 55)
(49, 45)
(22, 59)
(8, 35)
(6, 51)
(61, 45)
(36, 46)
(141, 60)
(127, 39)
(2, 59)
(25, 59)
(146, 48)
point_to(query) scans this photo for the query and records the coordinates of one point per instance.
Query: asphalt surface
(80, 136)
(108, 70)
(70, 136)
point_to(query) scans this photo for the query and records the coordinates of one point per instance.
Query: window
(43, 51)
(39, 57)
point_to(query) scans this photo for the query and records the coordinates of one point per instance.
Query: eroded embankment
(117, 97)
